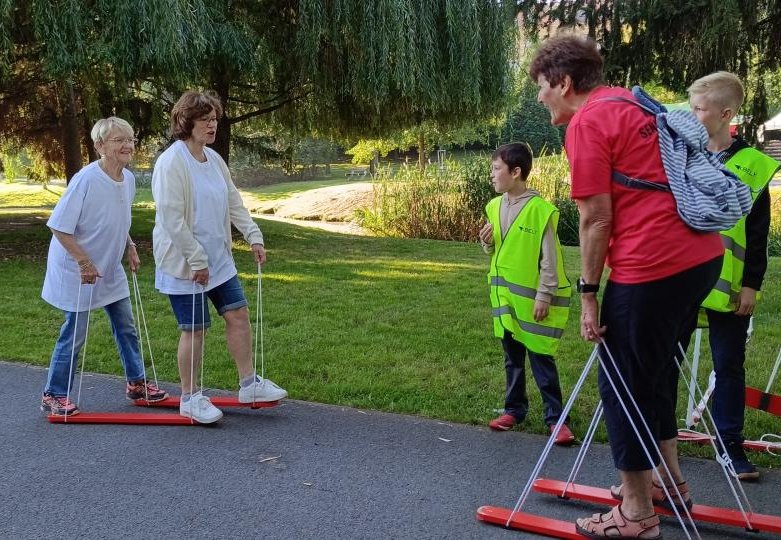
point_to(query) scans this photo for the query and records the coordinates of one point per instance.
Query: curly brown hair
(191, 106)
(570, 55)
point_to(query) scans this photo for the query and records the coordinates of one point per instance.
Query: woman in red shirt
(660, 272)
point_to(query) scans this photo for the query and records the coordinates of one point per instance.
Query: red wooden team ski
(147, 419)
(699, 512)
(756, 446)
(217, 401)
(532, 523)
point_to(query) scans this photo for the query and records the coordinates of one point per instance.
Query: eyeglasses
(208, 119)
(124, 140)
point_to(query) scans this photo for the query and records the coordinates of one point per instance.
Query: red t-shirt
(649, 241)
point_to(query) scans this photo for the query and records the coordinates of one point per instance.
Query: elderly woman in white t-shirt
(196, 203)
(90, 226)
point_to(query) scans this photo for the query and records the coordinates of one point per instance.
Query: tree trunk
(86, 139)
(374, 164)
(421, 151)
(69, 132)
(221, 84)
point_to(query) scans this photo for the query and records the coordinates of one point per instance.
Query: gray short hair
(103, 127)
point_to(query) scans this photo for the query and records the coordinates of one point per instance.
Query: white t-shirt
(210, 211)
(96, 210)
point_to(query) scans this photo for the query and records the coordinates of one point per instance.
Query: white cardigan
(176, 250)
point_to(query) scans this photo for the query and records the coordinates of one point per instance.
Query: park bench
(358, 173)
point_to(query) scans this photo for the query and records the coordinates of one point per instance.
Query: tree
(60, 58)
(673, 42)
(386, 66)
(309, 66)
(529, 122)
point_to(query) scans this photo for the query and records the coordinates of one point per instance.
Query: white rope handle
(646, 451)
(84, 347)
(549, 444)
(192, 351)
(771, 445)
(723, 459)
(259, 327)
(581, 457)
(141, 321)
(203, 331)
(192, 341)
(73, 347)
(137, 321)
(774, 372)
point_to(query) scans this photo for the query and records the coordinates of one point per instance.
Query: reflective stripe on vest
(738, 251)
(514, 277)
(754, 169)
(534, 328)
(527, 292)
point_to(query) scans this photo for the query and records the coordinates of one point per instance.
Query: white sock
(246, 381)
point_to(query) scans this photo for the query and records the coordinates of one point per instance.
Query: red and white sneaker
(145, 390)
(58, 406)
(503, 423)
(564, 436)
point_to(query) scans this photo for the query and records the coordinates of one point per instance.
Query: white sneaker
(200, 409)
(261, 390)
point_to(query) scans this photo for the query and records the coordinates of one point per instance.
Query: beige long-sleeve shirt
(508, 212)
(175, 248)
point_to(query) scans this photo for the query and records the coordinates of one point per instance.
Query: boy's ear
(727, 113)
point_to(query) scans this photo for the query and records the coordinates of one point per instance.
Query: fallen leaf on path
(268, 459)
(444, 440)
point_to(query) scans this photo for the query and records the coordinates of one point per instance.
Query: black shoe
(744, 469)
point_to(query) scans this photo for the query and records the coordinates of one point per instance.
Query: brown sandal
(658, 497)
(614, 524)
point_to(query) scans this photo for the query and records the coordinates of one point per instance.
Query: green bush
(478, 189)
(11, 162)
(414, 204)
(568, 221)
(449, 204)
(774, 241)
(529, 122)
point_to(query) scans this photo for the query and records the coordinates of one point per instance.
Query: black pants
(543, 367)
(644, 323)
(727, 334)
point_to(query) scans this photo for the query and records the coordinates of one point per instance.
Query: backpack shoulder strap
(627, 100)
(638, 183)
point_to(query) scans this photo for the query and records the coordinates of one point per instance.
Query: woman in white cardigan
(196, 203)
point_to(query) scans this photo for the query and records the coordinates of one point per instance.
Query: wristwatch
(583, 287)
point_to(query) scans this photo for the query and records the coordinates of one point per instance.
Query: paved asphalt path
(338, 473)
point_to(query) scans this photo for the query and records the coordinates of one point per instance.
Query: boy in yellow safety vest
(715, 99)
(530, 293)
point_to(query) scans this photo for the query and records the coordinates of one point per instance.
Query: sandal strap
(614, 520)
(658, 492)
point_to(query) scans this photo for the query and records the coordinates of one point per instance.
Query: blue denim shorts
(225, 297)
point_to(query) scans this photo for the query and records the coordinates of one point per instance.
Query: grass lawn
(389, 324)
(22, 194)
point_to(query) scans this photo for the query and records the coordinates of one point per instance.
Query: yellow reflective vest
(754, 169)
(515, 275)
